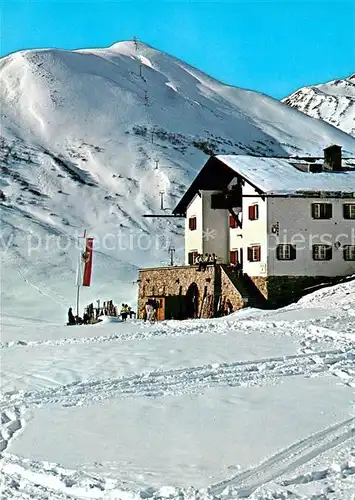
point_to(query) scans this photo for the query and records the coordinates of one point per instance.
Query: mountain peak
(332, 102)
(129, 45)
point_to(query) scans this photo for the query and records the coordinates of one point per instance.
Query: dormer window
(253, 212)
(192, 223)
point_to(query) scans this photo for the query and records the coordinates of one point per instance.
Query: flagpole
(78, 290)
(77, 300)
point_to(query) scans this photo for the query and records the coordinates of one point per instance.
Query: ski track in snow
(278, 476)
(289, 459)
(185, 380)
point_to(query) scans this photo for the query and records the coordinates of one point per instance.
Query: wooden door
(161, 308)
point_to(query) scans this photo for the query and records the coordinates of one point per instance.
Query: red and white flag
(87, 257)
(84, 266)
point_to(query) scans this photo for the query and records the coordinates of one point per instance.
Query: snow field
(258, 405)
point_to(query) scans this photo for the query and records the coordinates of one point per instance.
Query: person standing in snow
(71, 318)
(124, 312)
(149, 309)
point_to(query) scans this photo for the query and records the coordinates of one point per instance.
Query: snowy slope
(81, 133)
(333, 102)
(258, 405)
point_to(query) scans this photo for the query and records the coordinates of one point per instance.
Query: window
(232, 222)
(286, 252)
(233, 256)
(322, 252)
(192, 223)
(322, 210)
(253, 212)
(192, 257)
(349, 252)
(254, 253)
(349, 211)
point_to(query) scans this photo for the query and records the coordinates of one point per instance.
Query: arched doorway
(192, 301)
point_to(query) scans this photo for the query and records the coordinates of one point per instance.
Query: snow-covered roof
(285, 175)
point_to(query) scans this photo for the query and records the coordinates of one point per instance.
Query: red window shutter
(192, 223)
(233, 257)
(250, 254)
(232, 222)
(251, 212)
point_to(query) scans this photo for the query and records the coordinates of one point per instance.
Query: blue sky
(273, 47)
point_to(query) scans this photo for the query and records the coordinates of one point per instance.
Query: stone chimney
(332, 159)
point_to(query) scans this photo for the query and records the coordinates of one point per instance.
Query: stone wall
(214, 289)
(261, 283)
(230, 292)
(284, 289)
(279, 290)
(174, 281)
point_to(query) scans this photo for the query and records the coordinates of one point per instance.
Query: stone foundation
(178, 285)
(183, 292)
(279, 290)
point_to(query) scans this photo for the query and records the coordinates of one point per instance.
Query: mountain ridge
(332, 102)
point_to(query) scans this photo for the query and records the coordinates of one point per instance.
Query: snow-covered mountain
(81, 135)
(333, 102)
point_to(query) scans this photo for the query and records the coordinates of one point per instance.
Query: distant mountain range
(333, 102)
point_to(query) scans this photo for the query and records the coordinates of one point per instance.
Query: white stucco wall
(193, 239)
(254, 232)
(296, 226)
(216, 229)
(213, 234)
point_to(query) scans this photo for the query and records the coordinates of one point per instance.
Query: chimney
(332, 159)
